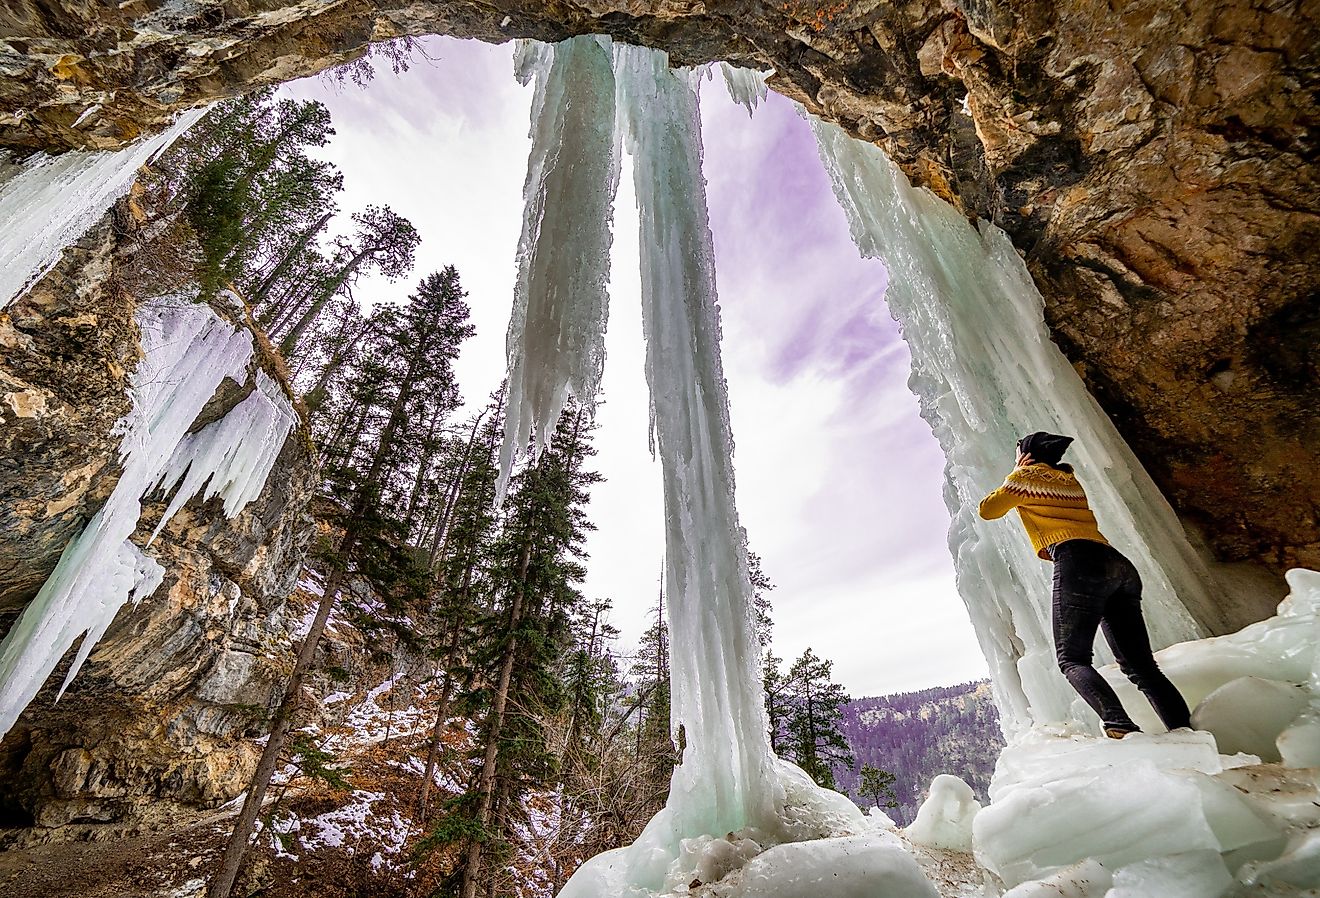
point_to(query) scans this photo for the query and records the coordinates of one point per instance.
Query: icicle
(556, 339)
(51, 200)
(726, 780)
(746, 87)
(231, 457)
(986, 373)
(187, 351)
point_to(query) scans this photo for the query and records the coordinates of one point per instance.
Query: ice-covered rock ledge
(1167, 814)
(150, 721)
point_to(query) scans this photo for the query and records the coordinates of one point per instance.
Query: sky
(838, 479)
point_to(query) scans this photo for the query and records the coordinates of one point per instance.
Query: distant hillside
(917, 735)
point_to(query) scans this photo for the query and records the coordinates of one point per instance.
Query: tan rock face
(154, 718)
(1153, 160)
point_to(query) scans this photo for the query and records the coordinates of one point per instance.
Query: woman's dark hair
(1046, 447)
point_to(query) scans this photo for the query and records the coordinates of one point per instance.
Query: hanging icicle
(986, 373)
(746, 87)
(187, 351)
(556, 339)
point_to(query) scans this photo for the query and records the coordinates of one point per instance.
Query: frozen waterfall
(47, 202)
(730, 799)
(556, 340)
(187, 351)
(986, 373)
(726, 779)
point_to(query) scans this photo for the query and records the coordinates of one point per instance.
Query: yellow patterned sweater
(1050, 502)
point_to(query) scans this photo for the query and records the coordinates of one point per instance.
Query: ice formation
(1272, 664)
(556, 339)
(1173, 813)
(870, 866)
(731, 797)
(982, 360)
(944, 819)
(746, 87)
(47, 202)
(727, 779)
(187, 351)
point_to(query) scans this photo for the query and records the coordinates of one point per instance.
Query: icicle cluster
(987, 373)
(746, 87)
(49, 201)
(187, 351)
(556, 339)
(729, 780)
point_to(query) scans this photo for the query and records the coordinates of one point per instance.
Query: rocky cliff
(1153, 161)
(154, 717)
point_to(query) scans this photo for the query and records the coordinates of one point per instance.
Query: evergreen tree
(879, 786)
(461, 558)
(244, 183)
(383, 240)
(815, 741)
(536, 566)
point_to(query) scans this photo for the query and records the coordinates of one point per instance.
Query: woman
(1095, 586)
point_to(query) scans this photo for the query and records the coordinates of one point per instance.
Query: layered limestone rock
(155, 716)
(1153, 162)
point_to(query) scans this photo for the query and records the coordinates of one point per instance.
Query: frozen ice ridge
(982, 359)
(187, 351)
(47, 202)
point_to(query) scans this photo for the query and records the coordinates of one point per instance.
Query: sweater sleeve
(1001, 501)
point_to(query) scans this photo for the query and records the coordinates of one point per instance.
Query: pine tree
(815, 741)
(383, 240)
(461, 558)
(537, 564)
(243, 182)
(879, 785)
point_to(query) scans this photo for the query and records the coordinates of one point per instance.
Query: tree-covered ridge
(917, 736)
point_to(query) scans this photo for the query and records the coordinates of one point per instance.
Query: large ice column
(47, 202)
(987, 373)
(556, 339)
(728, 779)
(187, 351)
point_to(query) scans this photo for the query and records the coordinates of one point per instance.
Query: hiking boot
(1118, 732)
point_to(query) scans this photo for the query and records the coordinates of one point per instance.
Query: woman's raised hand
(1023, 459)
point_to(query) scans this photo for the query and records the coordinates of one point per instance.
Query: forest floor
(171, 861)
(165, 861)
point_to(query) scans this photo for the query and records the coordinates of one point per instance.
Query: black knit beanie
(1045, 447)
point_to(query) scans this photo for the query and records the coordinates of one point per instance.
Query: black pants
(1096, 587)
